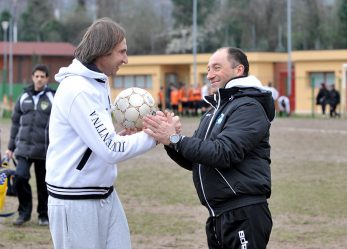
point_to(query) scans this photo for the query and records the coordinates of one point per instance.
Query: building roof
(39, 48)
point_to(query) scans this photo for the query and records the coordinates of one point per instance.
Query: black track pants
(24, 189)
(247, 227)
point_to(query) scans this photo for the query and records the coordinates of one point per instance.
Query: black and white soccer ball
(131, 105)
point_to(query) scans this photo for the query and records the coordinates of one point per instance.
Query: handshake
(161, 126)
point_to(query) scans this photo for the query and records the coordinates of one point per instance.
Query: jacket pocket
(84, 159)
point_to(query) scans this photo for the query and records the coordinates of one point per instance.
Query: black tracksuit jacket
(29, 130)
(229, 153)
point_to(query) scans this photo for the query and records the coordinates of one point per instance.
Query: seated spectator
(283, 106)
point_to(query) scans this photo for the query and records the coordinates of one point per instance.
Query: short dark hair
(237, 55)
(99, 40)
(40, 67)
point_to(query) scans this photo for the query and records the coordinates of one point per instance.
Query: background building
(310, 69)
(25, 55)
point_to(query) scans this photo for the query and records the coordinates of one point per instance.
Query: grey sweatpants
(88, 224)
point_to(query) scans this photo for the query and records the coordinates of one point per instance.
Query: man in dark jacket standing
(323, 97)
(29, 143)
(229, 153)
(334, 101)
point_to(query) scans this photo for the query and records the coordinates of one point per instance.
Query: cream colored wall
(261, 65)
(344, 87)
(263, 71)
(305, 98)
(154, 70)
(182, 72)
(317, 61)
(201, 70)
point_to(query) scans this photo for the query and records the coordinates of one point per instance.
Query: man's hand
(161, 127)
(9, 153)
(175, 120)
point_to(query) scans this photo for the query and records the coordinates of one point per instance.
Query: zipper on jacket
(36, 99)
(208, 129)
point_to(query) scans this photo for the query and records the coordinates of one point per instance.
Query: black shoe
(43, 222)
(21, 220)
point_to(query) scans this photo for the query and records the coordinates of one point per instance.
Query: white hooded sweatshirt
(84, 146)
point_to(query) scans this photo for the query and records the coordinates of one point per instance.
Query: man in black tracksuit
(29, 143)
(229, 153)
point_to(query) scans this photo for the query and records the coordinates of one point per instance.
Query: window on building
(118, 82)
(126, 81)
(322, 77)
(129, 81)
(140, 81)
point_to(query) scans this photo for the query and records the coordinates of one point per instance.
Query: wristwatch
(175, 138)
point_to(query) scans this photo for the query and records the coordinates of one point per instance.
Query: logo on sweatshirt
(116, 146)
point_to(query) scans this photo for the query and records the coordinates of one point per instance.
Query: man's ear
(240, 70)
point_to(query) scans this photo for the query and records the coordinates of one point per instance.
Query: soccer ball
(131, 105)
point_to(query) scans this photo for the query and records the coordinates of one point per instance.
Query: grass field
(308, 202)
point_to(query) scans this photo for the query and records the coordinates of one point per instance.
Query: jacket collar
(93, 67)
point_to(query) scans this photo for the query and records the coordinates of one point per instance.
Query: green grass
(28, 234)
(161, 184)
(314, 188)
(154, 224)
(308, 202)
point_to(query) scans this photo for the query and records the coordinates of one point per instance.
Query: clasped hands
(161, 126)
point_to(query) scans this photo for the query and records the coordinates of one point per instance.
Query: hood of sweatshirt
(246, 86)
(243, 82)
(76, 68)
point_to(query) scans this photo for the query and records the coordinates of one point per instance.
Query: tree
(154, 26)
(181, 35)
(342, 16)
(4, 16)
(76, 23)
(145, 30)
(144, 21)
(251, 25)
(34, 21)
(115, 9)
(329, 25)
(183, 12)
(52, 31)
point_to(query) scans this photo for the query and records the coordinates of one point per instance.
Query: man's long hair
(99, 40)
